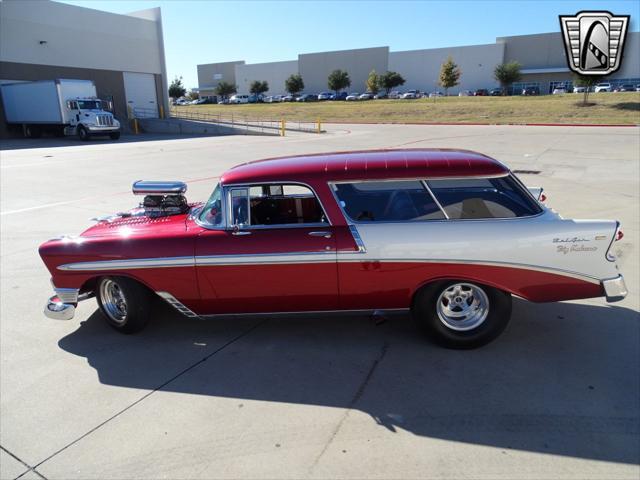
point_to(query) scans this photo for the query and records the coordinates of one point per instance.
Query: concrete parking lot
(556, 396)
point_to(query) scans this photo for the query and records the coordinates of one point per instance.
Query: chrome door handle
(320, 234)
(241, 232)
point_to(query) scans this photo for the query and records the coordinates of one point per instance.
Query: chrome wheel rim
(113, 301)
(462, 307)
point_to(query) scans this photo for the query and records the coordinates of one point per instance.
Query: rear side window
(483, 198)
(392, 201)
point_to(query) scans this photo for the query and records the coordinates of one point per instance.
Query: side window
(393, 201)
(483, 198)
(263, 205)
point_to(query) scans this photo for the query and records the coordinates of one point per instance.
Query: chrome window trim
(433, 197)
(227, 192)
(209, 226)
(351, 221)
(358, 239)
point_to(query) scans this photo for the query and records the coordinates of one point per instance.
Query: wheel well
(432, 281)
(91, 285)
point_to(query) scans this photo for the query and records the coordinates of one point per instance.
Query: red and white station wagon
(451, 235)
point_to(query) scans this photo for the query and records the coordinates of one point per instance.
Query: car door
(278, 254)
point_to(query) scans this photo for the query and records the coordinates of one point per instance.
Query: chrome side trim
(296, 258)
(521, 266)
(175, 303)
(321, 256)
(371, 311)
(615, 289)
(132, 263)
(358, 239)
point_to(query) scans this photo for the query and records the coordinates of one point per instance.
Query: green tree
(506, 74)
(373, 82)
(176, 89)
(258, 88)
(588, 82)
(193, 95)
(389, 80)
(224, 89)
(338, 80)
(294, 84)
(449, 75)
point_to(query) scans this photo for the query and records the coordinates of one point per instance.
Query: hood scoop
(161, 198)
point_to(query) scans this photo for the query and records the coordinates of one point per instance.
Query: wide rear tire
(460, 314)
(124, 302)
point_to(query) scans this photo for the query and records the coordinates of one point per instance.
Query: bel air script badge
(573, 244)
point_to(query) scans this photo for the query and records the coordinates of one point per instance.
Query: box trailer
(64, 107)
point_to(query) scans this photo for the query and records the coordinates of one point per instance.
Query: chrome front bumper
(615, 289)
(62, 306)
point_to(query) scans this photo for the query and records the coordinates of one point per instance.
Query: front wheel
(114, 135)
(460, 314)
(124, 302)
(83, 134)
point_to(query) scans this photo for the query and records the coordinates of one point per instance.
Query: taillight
(543, 197)
(616, 236)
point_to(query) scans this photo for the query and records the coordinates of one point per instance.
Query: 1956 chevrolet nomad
(449, 234)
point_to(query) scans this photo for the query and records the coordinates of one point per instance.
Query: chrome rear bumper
(615, 289)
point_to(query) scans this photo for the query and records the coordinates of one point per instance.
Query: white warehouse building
(542, 57)
(122, 54)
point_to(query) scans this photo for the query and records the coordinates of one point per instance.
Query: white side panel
(76, 89)
(31, 102)
(546, 241)
(140, 89)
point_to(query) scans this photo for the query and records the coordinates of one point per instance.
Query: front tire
(461, 315)
(83, 134)
(114, 135)
(124, 302)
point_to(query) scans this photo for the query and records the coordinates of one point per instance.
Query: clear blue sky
(263, 31)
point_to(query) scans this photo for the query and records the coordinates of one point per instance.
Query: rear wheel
(459, 314)
(32, 131)
(83, 134)
(124, 302)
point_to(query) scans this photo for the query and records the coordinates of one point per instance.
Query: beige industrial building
(542, 57)
(122, 54)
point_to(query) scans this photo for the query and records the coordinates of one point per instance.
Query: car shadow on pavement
(563, 379)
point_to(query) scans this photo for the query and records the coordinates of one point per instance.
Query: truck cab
(86, 117)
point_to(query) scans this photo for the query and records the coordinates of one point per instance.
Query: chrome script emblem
(594, 41)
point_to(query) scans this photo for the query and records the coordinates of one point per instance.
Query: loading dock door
(140, 89)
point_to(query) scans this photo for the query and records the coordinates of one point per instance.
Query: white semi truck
(63, 107)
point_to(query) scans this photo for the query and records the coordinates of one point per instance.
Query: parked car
(465, 93)
(436, 94)
(352, 97)
(256, 98)
(366, 96)
(278, 98)
(268, 99)
(531, 91)
(638, 88)
(237, 99)
(559, 91)
(307, 97)
(380, 95)
(495, 92)
(324, 96)
(408, 95)
(373, 230)
(625, 88)
(341, 96)
(481, 92)
(579, 89)
(603, 87)
(395, 94)
(291, 97)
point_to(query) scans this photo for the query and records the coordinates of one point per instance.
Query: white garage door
(140, 89)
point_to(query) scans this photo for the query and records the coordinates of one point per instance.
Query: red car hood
(138, 226)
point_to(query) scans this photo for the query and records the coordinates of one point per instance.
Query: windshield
(212, 211)
(89, 105)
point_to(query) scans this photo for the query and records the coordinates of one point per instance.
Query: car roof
(367, 165)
